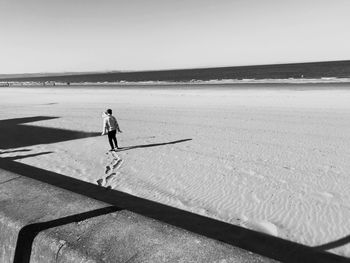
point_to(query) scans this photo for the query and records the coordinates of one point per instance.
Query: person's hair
(109, 111)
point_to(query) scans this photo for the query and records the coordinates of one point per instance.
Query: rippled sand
(272, 160)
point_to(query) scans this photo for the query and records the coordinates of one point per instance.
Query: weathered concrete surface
(127, 237)
(25, 201)
(42, 223)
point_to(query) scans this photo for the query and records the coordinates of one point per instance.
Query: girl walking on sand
(111, 127)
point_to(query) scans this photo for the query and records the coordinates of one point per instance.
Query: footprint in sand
(100, 182)
(117, 164)
(110, 177)
(108, 168)
(110, 171)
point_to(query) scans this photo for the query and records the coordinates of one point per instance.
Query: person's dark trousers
(112, 138)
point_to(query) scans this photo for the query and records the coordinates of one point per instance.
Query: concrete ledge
(43, 223)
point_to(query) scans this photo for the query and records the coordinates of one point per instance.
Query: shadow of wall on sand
(16, 133)
(260, 243)
(334, 244)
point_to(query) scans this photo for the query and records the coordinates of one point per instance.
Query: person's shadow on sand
(16, 133)
(150, 145)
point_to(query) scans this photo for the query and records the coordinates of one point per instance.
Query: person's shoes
(112, 150)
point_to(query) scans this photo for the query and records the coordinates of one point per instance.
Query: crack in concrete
(63, 244)
(9, 180)
(132, 257)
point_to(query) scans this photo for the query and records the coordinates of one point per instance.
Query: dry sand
(272, 160)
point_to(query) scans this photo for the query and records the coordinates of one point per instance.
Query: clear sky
(98, 35)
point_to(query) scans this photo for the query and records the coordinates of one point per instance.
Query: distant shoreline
(317, 72)
(344, 85)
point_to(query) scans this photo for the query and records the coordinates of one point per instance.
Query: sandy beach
(271, 160)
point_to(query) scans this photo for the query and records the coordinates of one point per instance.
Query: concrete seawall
(43, 223)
